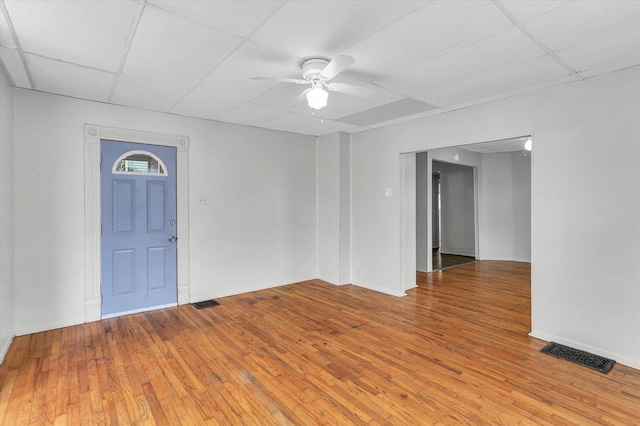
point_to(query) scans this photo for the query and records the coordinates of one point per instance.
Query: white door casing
(92, 220)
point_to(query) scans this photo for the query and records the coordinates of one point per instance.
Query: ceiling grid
(196, 58)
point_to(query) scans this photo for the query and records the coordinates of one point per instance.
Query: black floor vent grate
(205, 304)
(579, 357)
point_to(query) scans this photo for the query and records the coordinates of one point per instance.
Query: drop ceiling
(195, 58)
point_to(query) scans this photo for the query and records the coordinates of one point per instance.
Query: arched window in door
(139, 163)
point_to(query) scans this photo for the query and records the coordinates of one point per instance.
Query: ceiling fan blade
(350, 89)
(301, 98)
(336, 66)
(282, 80)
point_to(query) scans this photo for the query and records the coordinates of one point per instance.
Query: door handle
(173, 239)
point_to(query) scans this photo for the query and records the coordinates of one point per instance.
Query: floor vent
(583, 358)
(205, 304)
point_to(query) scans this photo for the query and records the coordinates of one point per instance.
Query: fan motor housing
(311, 68)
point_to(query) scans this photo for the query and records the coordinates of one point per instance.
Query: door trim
(92, 217)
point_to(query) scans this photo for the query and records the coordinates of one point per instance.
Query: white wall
(345, 209)
(505, 217)
(258, 229)
(334, 218)
(375, 219)
(579, 129)
(457, 209)
(521, 178)
(422, 245)
(497, 208)
(329, 207)
(6, 214)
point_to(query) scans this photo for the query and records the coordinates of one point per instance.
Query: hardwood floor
(444, 260)
(455, 350)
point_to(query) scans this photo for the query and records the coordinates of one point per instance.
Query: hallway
(444, 261)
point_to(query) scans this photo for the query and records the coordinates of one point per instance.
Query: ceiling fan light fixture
(318, 72)
(317, 97)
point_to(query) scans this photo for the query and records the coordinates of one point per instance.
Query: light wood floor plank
(455, 350)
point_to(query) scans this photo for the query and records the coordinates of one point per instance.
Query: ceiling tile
(507, 79)
(432, 30)
(253, 114)
(602, 51)
(138, 93)
(205, 105)
(517, 91)
(6, 38)
(325, 127)
(390, 111)
(70, 80)
(525, 10)
(343, 105)
(169, 49)
(449, 54)
(92, 33)
(488, 54)
(292, 122)
(408, 117)
(237, 17)
(579, 21)
(325, 28)
(631, 62)
(233, 77)
(282, 96)
(13, 64)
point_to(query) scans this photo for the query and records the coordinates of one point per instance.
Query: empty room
(245, 212)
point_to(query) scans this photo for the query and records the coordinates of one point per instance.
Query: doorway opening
(440, 259)
(446, 211)
(453, 213)
(501, 202)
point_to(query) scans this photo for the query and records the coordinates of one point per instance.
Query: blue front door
(139, 228)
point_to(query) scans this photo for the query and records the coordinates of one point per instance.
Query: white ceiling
(195, 58)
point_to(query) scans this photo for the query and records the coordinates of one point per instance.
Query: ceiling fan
(318, 72)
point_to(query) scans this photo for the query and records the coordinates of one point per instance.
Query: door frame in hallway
(93, 134)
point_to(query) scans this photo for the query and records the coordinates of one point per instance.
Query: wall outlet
(387, 192)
